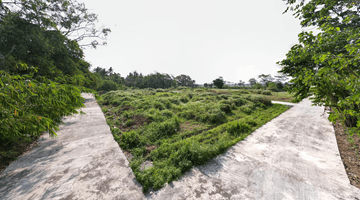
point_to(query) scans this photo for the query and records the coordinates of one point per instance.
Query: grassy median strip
(167, 132)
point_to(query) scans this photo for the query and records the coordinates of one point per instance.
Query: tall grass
(213, 122)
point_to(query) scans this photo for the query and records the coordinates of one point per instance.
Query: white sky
(204, 39)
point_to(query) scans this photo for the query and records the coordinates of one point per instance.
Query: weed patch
(167, 133)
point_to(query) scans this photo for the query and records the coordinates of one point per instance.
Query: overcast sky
(205, 39)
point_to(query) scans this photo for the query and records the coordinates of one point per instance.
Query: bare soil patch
(137, 121)
(127, 107)
(187, 126)
(349, 154)
(150, 148)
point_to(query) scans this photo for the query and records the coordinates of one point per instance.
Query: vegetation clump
(183, 129)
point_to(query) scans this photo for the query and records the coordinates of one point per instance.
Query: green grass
(278, 96)
(274, 96)
(178, 130)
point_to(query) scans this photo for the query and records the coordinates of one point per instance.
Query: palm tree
(110, 70)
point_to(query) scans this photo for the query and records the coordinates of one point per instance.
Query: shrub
(258, 99)
(272, 87)
(167, 113)
(223, 96)
(213, 117)
(158, 105)
(138, 152)
(167, 104)
(266, 92)
(129, 122)
(182, 88)
(243, 92)
(167, 128)
(237, 128)
(226, 105)
(258, 91)
(175, 101)
(159, 90)
(33, 106)
(104, 109)
(129, 140)
(184, 99)
(190, 95)
(251, 122)
(239, 101)
(247, 109)
(108, 85)
(187, 114)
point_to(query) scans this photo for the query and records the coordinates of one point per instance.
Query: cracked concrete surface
(295, 156)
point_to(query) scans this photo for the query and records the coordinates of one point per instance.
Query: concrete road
(295, 156)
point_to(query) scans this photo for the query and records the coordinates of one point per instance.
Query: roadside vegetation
(42, 70)
(165, 132)
(325, 66)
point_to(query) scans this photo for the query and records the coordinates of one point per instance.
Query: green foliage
(266, 79)
(163, 129)
(252, 82)
(25, 103)
(247, 109)
(219, 82)
(257, 86)
(56, 57)
(184, 134)
(266, 92)
(129, 140)
(108, 85)
(129, 122)
(42, 70)
(69, 16)
(326, 65)
(184, 81)
(237, 128)
(273, 87)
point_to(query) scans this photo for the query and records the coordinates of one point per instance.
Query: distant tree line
(268, 82)
(112, 80)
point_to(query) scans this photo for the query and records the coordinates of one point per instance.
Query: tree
(266, 79)
(209, 85)
(110, 80)
(135, 79)
(111, 71)
(158, 80)
(37, 33)
(219, 82)
(257, 86)
(281, 78)
(326, 65)
(272, 86)
(184, 80)
(279, 85)
(252, 82)
(69, 17)
(241, 83)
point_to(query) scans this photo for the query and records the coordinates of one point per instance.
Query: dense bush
(238, 127)
(129, 140)
(266, 92)
(108, 85)
(25, 103)
(164, 129)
